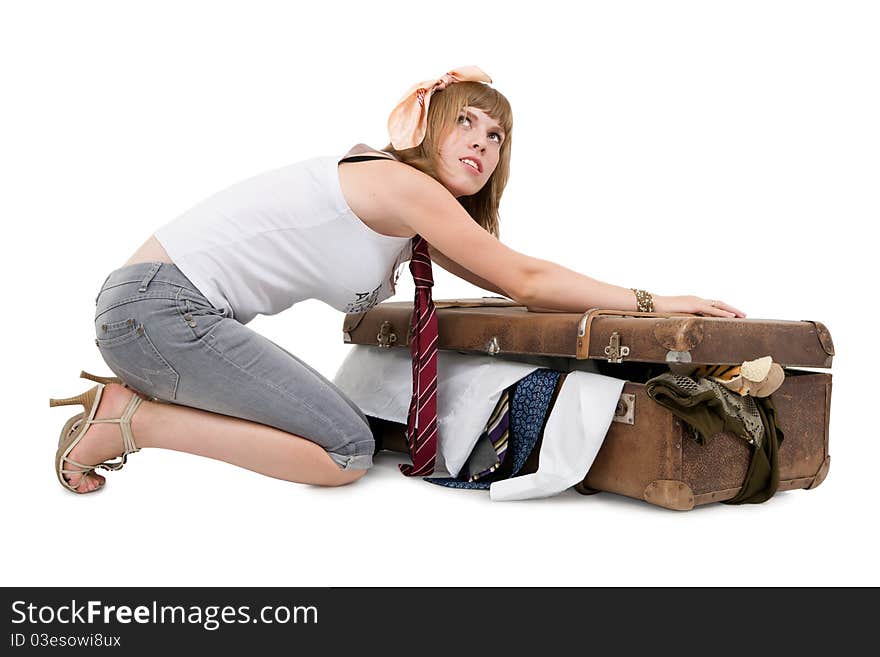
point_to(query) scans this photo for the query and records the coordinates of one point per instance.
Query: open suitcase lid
(494, 325)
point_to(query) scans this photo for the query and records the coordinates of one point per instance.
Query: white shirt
(280, 237)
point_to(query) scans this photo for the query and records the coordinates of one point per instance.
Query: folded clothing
(710, 408)
(759, 378)
(530, 399)
(379, 382)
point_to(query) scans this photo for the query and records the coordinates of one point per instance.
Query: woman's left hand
(695, 305)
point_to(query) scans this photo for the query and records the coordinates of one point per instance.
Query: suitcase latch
(494, 347)
(615, 351)
(386, 337)
(678, 357)
(626, 409)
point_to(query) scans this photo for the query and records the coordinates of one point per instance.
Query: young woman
(171, 322)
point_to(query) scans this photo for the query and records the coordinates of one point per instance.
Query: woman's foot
(101, 442)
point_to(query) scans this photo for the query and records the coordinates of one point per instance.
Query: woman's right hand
(695, 305)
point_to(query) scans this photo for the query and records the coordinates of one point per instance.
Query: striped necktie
(495, 435)
(421, 425)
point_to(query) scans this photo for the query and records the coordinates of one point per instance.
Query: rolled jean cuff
(355, 462)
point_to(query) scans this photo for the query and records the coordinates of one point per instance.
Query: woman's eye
(462, 119)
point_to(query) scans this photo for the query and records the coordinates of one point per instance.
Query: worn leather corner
(670, 494)
(823, 335)
(822, 473)
(351, 321)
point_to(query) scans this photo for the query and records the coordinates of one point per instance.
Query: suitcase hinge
(615, 351)
(386, 336)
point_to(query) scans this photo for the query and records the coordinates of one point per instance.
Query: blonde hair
(443, 112)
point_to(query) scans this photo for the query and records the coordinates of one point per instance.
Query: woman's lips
(469, 168)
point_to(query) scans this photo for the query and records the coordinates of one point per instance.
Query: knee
(354, 452)
(344, 477)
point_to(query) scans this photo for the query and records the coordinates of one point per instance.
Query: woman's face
(475, 137)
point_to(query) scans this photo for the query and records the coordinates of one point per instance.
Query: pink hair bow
(409, 119)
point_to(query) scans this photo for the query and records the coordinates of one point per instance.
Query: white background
(728, 150)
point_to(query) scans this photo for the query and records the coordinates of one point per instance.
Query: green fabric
(704, 412)
(762, 478)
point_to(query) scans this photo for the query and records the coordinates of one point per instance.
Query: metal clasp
(615, 351)
(626, 409)
(494, 347)
(678, 357)
(386, 336)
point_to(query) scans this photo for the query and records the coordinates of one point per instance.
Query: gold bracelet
(645, 300)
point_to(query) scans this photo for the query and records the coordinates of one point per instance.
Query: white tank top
(284, 236)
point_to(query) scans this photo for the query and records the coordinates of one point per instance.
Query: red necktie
(421, 425)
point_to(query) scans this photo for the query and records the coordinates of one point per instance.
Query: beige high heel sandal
(72, 423)
(75, 428)
(101, 379)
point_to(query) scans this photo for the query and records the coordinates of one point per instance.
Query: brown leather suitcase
(648, 453)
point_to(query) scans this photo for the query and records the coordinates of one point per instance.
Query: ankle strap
(124, 423)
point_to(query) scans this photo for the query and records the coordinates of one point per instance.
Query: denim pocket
(129, 352)
(109, 330)
(198, 314)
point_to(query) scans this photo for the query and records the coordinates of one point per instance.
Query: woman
(171, 321)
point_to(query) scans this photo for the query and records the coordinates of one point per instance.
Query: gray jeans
(161, 336)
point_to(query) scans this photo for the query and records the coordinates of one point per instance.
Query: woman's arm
(551, 280)
(473, 279)
(457, 270)
(425, 206)
(559, 288)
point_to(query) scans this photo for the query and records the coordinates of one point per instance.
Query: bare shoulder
(399, 189)
(370, 188)
(394, 198)
(383, 178)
